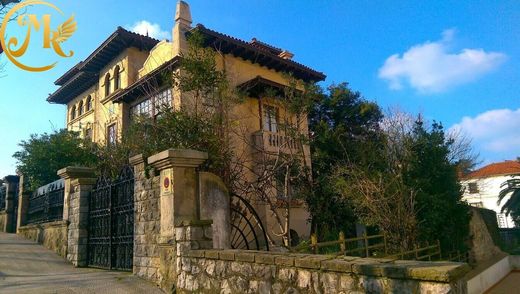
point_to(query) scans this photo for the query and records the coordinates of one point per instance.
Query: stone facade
(52, 235)
(3, 218)
(147, 222)
(237, 271)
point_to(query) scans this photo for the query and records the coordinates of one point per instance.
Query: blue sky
(457, 62)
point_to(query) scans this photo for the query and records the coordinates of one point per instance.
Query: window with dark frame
(473, 188)
(117, 78)
(153, 105)
(111, 134)
(89, 103)
(80, 108)
(270, 118)
(107, 85)
(73, 112)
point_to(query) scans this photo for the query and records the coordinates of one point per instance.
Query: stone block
(287, 275)
(330, 282)
(226, 255)
(211, 254)
(284, 260)
(265, 258)
(304, 279)
(195, 253)
(310, 261)
(337, 265)
(245, 257)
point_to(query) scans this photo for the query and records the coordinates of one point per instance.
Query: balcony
(274, 142)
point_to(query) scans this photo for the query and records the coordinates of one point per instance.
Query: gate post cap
(11, 179)
(76, 172)
(136, 159)
(178, 158)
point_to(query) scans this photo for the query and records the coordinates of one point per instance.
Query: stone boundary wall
(239, 271)
(3, 219)
(51, 235)
(147, 221)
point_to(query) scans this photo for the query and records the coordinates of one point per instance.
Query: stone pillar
(182, 25)
(79, 182)
(11, 193)
(23, 203)
(179, 188)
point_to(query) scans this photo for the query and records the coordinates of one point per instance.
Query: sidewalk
(27, 267)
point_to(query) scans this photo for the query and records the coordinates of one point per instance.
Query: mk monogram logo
(52, 39)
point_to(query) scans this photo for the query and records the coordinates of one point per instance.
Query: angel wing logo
(66, 30)
(52, 39)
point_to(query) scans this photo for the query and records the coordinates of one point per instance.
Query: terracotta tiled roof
(85, 74)
(258, 52)
(507, 167)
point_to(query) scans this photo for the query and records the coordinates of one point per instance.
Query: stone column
(11, 193)
(179, 188)
(23, 203)
(79, 182)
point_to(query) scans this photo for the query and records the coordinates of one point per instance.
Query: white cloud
(153, 30)
(496, 131)
(431, 67)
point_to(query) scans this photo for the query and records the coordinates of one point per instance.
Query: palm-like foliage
(512, 188)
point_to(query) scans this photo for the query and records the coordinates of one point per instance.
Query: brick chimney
(286, 54)
(182, 25)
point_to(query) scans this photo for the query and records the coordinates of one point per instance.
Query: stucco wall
(235, 271)
(488, 190)
(51, 235)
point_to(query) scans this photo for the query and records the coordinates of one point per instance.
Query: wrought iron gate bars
(111, 222)
(2, 197)
(247, 229)
(46, 203)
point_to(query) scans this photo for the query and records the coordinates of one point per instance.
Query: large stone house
(481, 188)
(104, 91)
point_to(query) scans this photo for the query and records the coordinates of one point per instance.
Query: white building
(481, 187)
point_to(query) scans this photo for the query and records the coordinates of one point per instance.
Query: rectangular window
(152, 106)
(473, 188)
(111, 134)
(270, 118)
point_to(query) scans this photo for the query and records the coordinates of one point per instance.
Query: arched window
(80, 108)
(89, 103)
(107, 84)
(73, 112)
(117, 78)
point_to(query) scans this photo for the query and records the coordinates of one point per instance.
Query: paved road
(509, 285)
(27, 267)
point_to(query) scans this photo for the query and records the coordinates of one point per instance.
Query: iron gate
(247, 230)
(111, 222)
